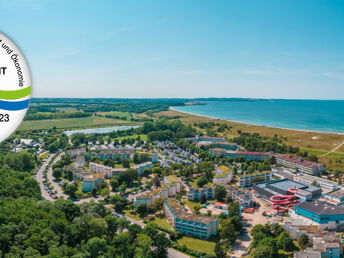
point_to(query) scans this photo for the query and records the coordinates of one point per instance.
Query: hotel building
(304, 166)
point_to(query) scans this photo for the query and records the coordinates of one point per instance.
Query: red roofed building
(304, 166)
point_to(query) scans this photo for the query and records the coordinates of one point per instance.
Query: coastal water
(313, 115)
(99, 130)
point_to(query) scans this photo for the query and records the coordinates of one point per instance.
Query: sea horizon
(305, 115)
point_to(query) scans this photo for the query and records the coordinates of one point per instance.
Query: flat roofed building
(281, 187)
(326, 215)
(75, 152)
(91, 181)
(247, 179)
(223, 175)
(249, 155)
(190, 224)
(195, 194)
(335, 197)
(153, 156)
(308, 179)
(304, 166)
(206, 139)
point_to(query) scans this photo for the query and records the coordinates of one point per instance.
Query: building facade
(301, 165)
(190, 224)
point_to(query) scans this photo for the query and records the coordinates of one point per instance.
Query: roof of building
(321, 208)
(197, 218)
(298, 160)
(173, 179)
(147, 153)
(339, 193)
(312, 178)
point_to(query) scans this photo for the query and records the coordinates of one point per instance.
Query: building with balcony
(190, 224)
(301, 165)
(223, 175)
(195, 194)
(248, 179)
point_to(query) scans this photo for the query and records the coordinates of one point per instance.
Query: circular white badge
(15, 87)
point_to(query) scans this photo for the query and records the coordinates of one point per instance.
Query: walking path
(333, 150)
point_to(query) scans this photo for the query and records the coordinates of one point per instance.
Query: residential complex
(111, 154)
(248, 179)
(301, 165)
(240, 195)
(91, 181)
(249, 155)
(195, 194)
(107, 171)
(153, 156)
(325, 244)
(172, 186)
(190, 224)
(206, 139)
(223, 175)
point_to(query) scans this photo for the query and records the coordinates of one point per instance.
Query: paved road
(39, 178)
(50, 178)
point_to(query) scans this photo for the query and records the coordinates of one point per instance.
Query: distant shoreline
(273, 127)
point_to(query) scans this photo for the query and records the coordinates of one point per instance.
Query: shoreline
(267, 126)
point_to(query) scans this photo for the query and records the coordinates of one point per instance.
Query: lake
(99, 130)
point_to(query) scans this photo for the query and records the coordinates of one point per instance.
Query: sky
(177, 48)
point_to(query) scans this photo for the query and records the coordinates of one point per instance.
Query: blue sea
(313, 115)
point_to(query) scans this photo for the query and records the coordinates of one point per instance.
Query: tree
(227, 230)
(114, 184)
(71, 190)
(219, 251)
(264, 252)
(220, 193)
(94, 191)
(146, 172)
(122, 188)
(157, 171)
(285, 242)
(125, 163)
(96, 247)
(197, 208)
(158, 204)
(314, 183)
(202, 181)
(303, 240)
(105, 192)
(233, 209)
(57, 173)
(142, 209)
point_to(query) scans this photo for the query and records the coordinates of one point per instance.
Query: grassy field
(142, 136)
(162, 222)
(70, 123)
(190, 204)
(316, 143)
(201, 245)
(132, 214)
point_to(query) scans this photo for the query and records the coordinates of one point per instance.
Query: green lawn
(191, 204)
(132, 214)
(162, 222)
(206, 246)
(70, 123)
(142, 136)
